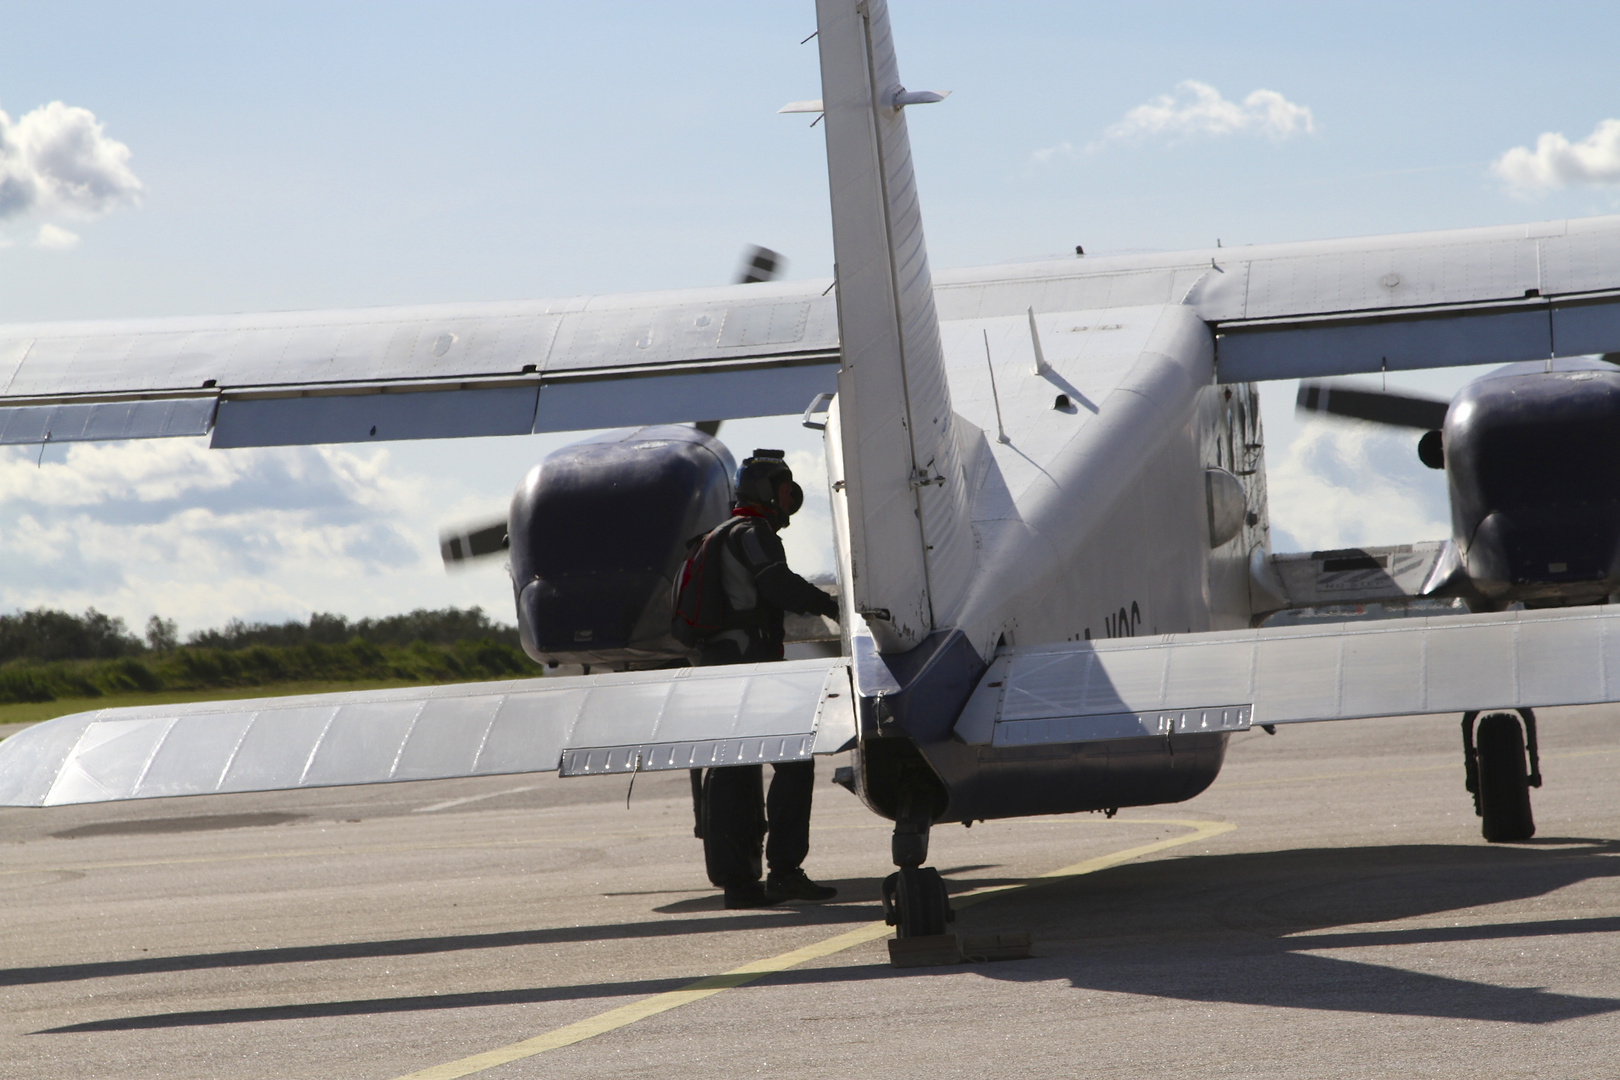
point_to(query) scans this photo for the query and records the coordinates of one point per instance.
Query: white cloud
(58, 159)
(172, 527)
(201, 536)
(1341, 484)
(1047, 153)
(1199, 109)
(806, 541)
(1556, 162)
(56, 238)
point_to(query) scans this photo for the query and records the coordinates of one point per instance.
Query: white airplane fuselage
(1091, 520)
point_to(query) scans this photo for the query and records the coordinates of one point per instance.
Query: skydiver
(758, 588)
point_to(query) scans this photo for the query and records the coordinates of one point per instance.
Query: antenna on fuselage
(1041, 367)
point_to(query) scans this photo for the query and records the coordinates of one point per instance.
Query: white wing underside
(1280, 311)
(1137, 687)
(634, 722)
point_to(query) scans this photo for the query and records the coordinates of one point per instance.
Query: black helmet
(760, 480)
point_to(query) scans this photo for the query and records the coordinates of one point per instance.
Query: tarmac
(1326, 909)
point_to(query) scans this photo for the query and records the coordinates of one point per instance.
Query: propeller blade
(760, 264)
(472, 542)
(1380, 407)
(711, 428)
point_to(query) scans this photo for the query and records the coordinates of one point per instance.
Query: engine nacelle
(598, 531)
(1532, 459)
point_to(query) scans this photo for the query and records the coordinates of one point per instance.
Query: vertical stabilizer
(910, 538)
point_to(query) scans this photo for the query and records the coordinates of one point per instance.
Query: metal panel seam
(315, 748)
(483, 740)
(1338, 677)
(21, 360)
(1423, 668)
(393, 766)
(1254, 674)
(1603, 658)
(152, 755)
(230, 759)
(543, 363)
(1164, 675)
(663, 711)
(1518, 657)
(573, 722)
(737, 709)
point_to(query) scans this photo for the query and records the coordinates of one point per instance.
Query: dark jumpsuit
(759, 588)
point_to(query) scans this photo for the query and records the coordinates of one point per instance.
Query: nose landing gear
(1494, 755)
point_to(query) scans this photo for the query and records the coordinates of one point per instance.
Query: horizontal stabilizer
(637, 721)
(1370, 575)
(1182, 683)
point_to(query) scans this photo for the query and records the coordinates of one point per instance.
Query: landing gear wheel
(1504, 781)
(915, 902)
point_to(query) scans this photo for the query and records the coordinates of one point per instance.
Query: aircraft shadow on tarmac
(1245, 929)
(1237, 929)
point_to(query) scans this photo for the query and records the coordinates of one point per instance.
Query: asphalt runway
(1348, 921)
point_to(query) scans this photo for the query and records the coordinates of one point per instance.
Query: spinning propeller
(1424, 414)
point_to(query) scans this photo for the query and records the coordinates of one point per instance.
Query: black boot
(748, 896)
(792, 884)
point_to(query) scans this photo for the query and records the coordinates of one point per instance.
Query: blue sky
(295, 155)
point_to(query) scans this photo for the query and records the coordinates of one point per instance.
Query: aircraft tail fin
(910, 532)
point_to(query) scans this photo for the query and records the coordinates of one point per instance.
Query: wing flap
(634, 721)
(107, 420)
(1122, 688)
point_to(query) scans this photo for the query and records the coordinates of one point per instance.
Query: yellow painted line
(613, 1019)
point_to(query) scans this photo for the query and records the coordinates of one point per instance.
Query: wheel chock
(928, 951)
(980, 948)
(938, 949)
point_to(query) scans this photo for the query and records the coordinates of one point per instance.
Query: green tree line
(46, 654)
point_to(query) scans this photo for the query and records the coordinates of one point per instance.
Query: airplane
(1048, 498)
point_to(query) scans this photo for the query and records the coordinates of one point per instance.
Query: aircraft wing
(1466, 296)
(617, 723)
(1337, 307)
(1226, 681)
(440, 371)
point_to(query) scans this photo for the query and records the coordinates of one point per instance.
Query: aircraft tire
(921, 906)
(1504, 787)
